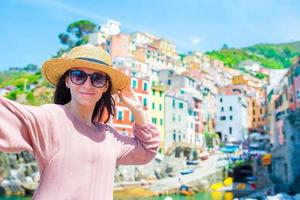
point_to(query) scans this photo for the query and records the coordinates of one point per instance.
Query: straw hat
(85, 56)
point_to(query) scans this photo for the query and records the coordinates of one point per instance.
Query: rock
(280, 196)
(297, 197)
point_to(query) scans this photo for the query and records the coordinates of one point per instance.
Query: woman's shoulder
(54, 109)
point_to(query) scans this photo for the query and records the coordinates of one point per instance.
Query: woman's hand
(129, 99)
(132, 102)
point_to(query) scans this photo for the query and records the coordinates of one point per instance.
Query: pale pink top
(75, 161)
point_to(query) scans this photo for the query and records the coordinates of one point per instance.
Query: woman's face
(83, 92)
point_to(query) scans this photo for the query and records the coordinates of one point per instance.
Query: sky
(29, 28)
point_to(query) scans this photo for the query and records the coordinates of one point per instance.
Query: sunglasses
(78, 77)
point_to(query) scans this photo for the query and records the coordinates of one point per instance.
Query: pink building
(119, 45)
(293, 76)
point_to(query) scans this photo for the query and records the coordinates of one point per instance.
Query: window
(153, 92)
(230, 108)
(291, 98)
(261, 111)
(290, 80)
(160, 93)
(120, 115)
(230, 117)
(153, 106)
(221, 100)
(298, 94)
(145, 102)
(173, 117)
(197, 127)
(124, 132)
(131, 117)
(297, 71)
(161, 122)
(222, 118)
(278, 101)
(154, 120)
(145, 86)
(253, 112)
(180, 105)
(174, 136)
(179, 118)
(160, 107)
(134, 84)
(230, 130)
(222, 108)
(173, 103)
(169, 82)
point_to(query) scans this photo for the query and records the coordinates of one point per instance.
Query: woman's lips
(87, 93)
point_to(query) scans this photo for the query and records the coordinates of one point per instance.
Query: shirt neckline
(73, 118)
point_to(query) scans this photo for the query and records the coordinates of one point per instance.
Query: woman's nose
(88, 83)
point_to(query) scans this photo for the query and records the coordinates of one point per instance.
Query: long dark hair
(62, 95)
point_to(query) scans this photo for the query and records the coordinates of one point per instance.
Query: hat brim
(54, 68)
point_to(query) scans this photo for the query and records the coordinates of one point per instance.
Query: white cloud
(194, 40)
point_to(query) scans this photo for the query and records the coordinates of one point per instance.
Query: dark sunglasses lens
(98, 80)
(78, 76)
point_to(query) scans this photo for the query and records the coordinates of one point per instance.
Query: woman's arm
(24, 127)
(141, 148)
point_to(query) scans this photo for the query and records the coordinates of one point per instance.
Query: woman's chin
(86, 103)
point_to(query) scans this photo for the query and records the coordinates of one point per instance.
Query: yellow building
(239, 80)
(256, 112)
(166, 47)
(157, 111)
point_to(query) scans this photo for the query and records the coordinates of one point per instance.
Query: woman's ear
(105, 87)
(67, 82)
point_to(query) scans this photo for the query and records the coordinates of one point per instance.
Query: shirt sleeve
(24, 127)
(139, 149)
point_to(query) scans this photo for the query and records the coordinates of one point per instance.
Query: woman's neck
(83, 113)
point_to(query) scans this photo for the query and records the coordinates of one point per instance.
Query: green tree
(225, 46)
(77, 34)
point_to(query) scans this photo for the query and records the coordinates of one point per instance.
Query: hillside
(273, 56)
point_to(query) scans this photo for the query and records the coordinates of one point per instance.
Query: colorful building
(119, 45)
(231, 119)
(176, 109)
(124, 119)
(157, 110)
(293, 76)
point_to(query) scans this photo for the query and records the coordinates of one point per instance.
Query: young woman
(76, 151)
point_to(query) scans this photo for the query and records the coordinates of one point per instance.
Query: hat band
(93, 60)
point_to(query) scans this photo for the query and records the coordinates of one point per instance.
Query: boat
(186, 171)
(192, 162)
(204, 156)
(184, 190)
(186, 193)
